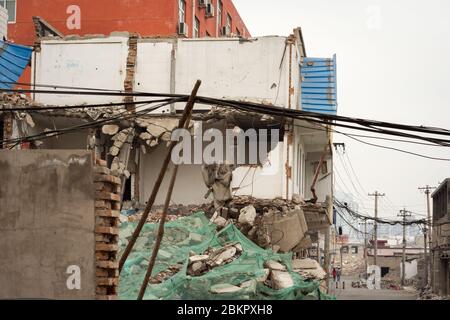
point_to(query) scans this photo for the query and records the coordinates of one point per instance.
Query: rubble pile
(173, 212)
(353, 265)
(196, 261)
(427, 294)
(390, 284)
(157, 130)
(14, 100)
(275, 224)
(213, 257)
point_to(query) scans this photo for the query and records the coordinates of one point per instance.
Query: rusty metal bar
(183, 121)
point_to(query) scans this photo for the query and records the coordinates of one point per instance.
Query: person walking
(334, 273)
(338, 274)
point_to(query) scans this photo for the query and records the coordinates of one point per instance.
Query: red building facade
(190, 18)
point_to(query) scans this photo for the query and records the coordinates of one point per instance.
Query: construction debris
(212, 258)
(215, 265)
(309, 269)
(427, 294)
(167, 274)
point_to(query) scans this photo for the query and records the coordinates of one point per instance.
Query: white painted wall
(93, 63)
(189, 187)
(265, 182)
(410, 269)
(230, 68)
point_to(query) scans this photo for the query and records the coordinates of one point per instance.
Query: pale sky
(393, 64)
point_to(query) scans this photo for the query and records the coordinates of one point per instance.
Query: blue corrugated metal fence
(13, 60)
(319, 85)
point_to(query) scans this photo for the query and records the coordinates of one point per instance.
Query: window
(229, 24)
(354, 250)
(10, 5)
(219, 14)
(196, 28)
(182, 11)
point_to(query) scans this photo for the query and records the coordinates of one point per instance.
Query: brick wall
(107, 211)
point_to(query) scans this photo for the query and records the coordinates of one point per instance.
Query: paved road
(350, 293)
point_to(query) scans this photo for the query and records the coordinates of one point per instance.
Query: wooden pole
(182, 124)
(160, 235)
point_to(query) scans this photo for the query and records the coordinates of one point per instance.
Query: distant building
(440, 248)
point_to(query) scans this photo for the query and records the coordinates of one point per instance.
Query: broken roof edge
(159, 38)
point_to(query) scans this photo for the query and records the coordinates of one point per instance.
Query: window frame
(181, 11)
(196, 33)
(3, 4)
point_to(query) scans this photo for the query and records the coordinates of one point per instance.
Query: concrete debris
(110, 129)
(114, 151)
(274, 265)
(309, 269)
(145, 136)
(224, 288)
(280, 279)
(29, 120)
(164, 275)
(298, 199)
(217, 178)
(248, 215)
(212, 258)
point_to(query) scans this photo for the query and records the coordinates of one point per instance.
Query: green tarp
(195, 234)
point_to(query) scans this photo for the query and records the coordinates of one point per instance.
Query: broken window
(10, 5)
(384, 271)
(354, 250)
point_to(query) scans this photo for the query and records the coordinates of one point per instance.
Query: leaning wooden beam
(184, 119)
(160, 235)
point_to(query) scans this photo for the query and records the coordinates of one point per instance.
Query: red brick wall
(146, 17)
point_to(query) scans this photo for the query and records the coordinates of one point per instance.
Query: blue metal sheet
(319, 85)
(14, 59)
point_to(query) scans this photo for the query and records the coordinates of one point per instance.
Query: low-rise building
(440, 248)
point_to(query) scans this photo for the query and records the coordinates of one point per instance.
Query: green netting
(196, 234)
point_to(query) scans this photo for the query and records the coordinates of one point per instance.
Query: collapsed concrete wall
(47, 225)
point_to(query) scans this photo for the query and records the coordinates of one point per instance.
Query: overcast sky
(393, 64)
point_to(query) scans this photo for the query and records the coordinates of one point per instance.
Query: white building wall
(259, 69)
(89, 63)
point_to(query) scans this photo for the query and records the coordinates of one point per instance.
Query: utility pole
(376, 195)
(428, 261)
(425, 269)
(403, 213)
(365, 245)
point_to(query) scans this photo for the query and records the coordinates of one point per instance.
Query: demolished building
(289, 193)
